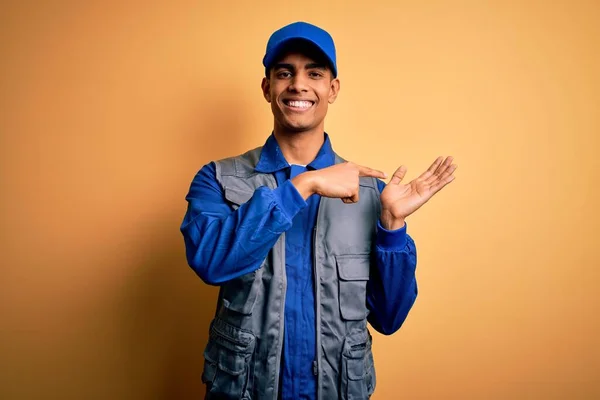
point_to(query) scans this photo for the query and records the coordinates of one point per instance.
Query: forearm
(223, 246)
(392, 289)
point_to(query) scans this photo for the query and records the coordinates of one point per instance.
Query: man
(306, 247)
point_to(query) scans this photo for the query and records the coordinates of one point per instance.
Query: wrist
(305, 184)
(391, 223)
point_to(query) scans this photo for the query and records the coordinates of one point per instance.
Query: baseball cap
(302, 31)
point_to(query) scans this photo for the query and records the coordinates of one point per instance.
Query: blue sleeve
(223, 244)
(392, 288)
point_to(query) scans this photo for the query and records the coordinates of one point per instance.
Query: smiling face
(300, 87)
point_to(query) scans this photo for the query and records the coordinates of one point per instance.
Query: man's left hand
(399, 200)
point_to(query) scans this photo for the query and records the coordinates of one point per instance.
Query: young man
(306, 247)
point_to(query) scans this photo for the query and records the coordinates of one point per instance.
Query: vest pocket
(353, 272)
(227, 366)
(239, 294)
(358, 371)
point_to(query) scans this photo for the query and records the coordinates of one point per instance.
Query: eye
(284, 74)
(316, 74)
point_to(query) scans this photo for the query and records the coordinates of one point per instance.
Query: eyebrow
(292, 68)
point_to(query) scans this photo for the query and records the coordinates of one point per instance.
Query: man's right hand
(338, 181)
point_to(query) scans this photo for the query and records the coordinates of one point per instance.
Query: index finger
(366, 171)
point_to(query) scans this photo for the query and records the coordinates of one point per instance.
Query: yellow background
(107, 110)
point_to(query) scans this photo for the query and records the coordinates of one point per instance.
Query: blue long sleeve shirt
(222, 244)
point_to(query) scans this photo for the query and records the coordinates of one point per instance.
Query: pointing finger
(366, 171)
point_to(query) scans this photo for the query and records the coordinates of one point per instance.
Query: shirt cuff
(288, 199)
(391, 240)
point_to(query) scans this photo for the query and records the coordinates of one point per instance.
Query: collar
(272, 159)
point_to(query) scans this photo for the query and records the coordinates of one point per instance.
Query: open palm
(399, 200)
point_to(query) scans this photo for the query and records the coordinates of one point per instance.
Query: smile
(298, 105)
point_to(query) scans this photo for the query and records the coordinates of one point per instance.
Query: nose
(299, 83)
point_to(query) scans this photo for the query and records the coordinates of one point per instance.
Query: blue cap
(300, 31)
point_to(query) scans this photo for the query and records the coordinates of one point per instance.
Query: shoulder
(239, 164)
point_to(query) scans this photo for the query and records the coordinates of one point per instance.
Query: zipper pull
(315, 368)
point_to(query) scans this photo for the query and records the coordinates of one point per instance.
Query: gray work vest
(243, 354)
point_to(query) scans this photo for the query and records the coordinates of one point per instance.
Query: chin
(298, 126)
(300, 129)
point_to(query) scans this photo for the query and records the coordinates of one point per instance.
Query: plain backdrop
(108, 110)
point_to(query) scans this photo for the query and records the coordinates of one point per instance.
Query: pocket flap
(237, 196)
(354, 267)
(229, 336)
(229, 348)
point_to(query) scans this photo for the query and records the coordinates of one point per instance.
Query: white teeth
(300, 104)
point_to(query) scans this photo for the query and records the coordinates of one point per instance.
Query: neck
(300, 147)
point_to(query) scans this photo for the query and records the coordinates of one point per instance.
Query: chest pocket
(353, 273)
(239, 294)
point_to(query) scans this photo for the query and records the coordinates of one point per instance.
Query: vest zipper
(282, 317)
(281, 242)
(317, 362)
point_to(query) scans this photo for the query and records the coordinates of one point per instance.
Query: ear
(334, 89)
(266, 89)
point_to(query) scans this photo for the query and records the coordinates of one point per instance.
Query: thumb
(398, 175)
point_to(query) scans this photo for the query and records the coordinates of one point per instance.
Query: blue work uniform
(213, 231)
